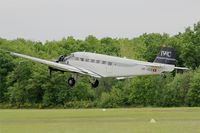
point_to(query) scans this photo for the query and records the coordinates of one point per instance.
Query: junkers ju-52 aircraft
(102, 66)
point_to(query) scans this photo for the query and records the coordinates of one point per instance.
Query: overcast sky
(54, 19)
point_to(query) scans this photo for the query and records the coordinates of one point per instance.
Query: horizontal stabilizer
(181, 68)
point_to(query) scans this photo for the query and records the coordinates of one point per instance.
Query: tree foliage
(26, 84)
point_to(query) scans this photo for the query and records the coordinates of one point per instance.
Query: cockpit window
(69, 57)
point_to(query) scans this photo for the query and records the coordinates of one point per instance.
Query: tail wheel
(95, 83)
(71, 81)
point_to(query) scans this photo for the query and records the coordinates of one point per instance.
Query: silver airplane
(102, 66)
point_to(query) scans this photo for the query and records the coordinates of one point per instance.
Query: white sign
(166, 53)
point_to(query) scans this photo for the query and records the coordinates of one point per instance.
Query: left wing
(64, 67)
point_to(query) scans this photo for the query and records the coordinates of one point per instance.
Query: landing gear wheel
(95, 83)
(163, 75)
(71, 81)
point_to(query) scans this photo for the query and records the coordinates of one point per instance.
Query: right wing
(59, 66)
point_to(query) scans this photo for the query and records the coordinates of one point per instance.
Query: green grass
(135, 120)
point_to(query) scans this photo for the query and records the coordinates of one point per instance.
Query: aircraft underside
(72, 79)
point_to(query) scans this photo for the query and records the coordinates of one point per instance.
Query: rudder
(167, 55)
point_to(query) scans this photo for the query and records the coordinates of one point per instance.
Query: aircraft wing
(59, 66)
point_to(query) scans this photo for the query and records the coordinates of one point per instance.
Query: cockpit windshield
(68, 57)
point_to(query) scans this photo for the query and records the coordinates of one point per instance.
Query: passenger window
(82, 59)
(87, 60)
(109, 63)
(97, 61)
(103, 62)
(92, 60)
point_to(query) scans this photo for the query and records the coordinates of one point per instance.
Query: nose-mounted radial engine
(71, 81)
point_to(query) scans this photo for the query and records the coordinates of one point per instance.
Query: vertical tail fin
(166, 56)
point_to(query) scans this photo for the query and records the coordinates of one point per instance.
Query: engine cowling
(61, 58)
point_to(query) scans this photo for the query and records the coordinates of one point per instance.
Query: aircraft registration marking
(152, 69)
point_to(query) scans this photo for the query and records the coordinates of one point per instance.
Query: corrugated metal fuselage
(110, 66)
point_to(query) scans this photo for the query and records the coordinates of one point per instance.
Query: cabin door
(109, 68)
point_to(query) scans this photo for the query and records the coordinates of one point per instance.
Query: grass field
(135, 120)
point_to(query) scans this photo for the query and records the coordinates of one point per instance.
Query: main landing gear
(72, 80)
(95, 83)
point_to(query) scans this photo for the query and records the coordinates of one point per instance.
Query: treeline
(24, 84)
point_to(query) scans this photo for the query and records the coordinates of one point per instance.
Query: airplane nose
(61, 58)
